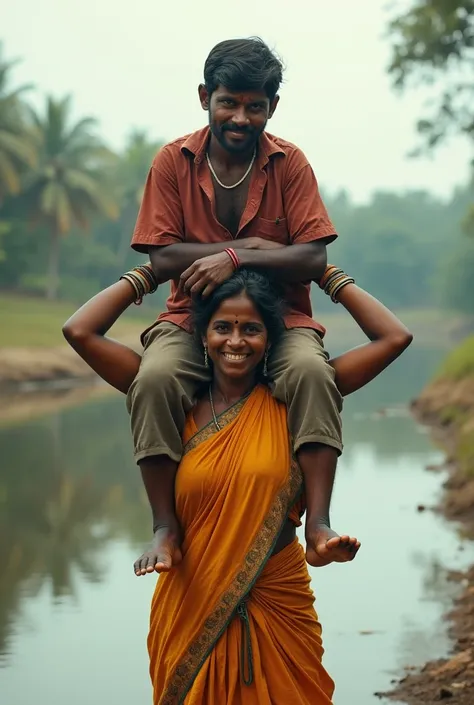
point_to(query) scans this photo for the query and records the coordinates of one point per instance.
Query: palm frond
(9, 176)
(66, 188)
(82, 130)
(19, 147)
(98, 197)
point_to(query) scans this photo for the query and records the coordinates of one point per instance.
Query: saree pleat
(231, 624)
(286, 644)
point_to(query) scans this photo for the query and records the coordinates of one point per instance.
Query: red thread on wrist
(233, 255)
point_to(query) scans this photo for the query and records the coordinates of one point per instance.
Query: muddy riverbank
(24, 367)
(447, 407)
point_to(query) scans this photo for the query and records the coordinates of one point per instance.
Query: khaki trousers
(172, 372)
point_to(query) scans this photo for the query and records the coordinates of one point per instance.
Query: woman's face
(236, 337)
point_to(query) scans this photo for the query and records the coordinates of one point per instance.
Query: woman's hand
(164, 554)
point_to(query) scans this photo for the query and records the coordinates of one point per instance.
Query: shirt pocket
(275, 230)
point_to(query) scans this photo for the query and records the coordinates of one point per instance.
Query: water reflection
(73, 516)
(416, 641)
(68, 488)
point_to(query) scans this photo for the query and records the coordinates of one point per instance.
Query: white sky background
(138, 64)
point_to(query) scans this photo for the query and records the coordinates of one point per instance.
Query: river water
(73, 517)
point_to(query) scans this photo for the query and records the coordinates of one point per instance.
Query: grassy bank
(30, 322)
(457, 412)
(459, 364)
(33, 350)
(447, 404)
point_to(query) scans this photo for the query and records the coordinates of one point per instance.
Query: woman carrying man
(232, 617)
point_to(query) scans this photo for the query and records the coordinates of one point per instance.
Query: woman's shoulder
(266, 394)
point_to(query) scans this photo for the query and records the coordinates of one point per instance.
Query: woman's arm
(388, 336)
(85, 332)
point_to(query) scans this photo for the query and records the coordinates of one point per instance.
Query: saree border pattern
(259, 552)
(209, 429)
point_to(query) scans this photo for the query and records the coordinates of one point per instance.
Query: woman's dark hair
(243, 64)
(263, 294)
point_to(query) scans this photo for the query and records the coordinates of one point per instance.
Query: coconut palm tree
(135, 163)
(16, 146)
(68, 187)
(136, 160)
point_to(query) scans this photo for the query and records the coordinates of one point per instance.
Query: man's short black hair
(243, 64)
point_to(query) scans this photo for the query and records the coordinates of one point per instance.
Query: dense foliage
(68, 206)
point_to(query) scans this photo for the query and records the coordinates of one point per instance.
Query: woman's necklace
(240, 180)
(214, 417)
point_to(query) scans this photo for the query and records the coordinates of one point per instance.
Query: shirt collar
(196, 144)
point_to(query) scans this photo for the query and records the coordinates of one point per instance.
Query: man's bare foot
(324, 546)
(163, 555)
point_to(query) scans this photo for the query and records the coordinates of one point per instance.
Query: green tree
(91, 265)
(16, 146)
(68, 188)
(456, 279)
(433, 43)
(393, 244)
(135, 163)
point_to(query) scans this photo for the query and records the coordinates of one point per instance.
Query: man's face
(237, 118)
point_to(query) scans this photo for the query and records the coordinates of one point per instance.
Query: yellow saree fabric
(231, 625)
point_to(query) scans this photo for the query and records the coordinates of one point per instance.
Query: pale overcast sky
(139, 64)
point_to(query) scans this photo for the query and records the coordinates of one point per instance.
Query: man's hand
(206, 274)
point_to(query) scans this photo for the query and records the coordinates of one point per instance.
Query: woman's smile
(235, 357)
(236, 337)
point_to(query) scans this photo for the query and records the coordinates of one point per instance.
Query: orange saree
(233, 625)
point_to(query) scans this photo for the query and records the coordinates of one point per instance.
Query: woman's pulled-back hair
(263, 294)
(243, 65)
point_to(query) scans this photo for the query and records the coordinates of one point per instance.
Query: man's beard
(245, 145)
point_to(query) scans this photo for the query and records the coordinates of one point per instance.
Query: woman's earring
(206, 359)
(265, 364)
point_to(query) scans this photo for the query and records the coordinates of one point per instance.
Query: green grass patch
(27, 321)
(465, 452)
(34, 322)
(450, 415)
(459, 363)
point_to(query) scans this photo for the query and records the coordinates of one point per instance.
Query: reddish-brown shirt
(283, 205)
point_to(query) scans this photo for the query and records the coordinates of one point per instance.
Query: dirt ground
(21, 367)
(450, 679)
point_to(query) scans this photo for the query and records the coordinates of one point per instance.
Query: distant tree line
(68, 205)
